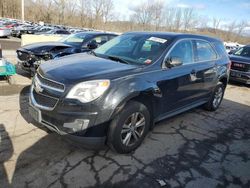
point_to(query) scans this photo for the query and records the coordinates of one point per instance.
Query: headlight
(89, 90)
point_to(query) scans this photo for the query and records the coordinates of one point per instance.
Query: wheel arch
(146, 98)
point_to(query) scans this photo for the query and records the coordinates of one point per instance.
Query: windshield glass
(134, 48)
(245, 51)
(74, 39)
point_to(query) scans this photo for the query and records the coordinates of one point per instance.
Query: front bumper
(87, 142)
(64, 117)
(240, 76)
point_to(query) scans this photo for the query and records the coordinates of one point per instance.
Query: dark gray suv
(116, 93)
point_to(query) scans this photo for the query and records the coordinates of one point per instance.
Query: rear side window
(220, 48)
(111, 36)
(204, 51)
(101, 39)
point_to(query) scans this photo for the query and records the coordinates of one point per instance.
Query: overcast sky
(226, 10)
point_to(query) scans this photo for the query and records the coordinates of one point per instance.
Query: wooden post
(22, 11)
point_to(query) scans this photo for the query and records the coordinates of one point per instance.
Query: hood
(42, 47)
(81, 67)
(240, 59)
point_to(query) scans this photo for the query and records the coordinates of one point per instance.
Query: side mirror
(92, 45)
(173, 62)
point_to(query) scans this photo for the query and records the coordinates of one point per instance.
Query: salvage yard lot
(194, 149)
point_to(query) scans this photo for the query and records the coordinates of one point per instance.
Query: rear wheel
(129, 127)
(216, 98)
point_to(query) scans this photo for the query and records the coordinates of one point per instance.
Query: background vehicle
(240, 67)
(23, 29)
(115, 93)
(32, 55)
(4, 32)
(56, 32)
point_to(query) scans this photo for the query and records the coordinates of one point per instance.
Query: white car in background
(4, 32)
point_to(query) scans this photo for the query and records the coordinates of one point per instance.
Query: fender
(127, 91)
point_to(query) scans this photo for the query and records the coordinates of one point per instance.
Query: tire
(122, 142)
(216, 98)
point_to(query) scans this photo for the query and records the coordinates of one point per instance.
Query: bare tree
(216, 24)
(85, 13)
(188, 19)
(230, 30)
(143, 14)
(107, 8)
(157, 13)
(177, 19)
(61, 4)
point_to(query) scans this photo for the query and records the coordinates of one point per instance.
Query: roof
(174, 35)
(96, 33)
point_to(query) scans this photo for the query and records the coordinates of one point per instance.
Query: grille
(50, 83)
(23, 56)
(240, 66)
(45, 101)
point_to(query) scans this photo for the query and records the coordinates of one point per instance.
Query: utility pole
(22, 10)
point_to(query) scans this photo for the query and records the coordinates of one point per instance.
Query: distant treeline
(152, 15)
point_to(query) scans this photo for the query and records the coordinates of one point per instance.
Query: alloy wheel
(217, 97)
(133, 129)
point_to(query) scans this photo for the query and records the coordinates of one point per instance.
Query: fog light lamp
(77, 125)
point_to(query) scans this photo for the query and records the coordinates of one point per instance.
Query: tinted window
(245, 51)
(204, 50)
(74, 39)
(184, 51)
(111, 37)
(101, 39)
(220, 48)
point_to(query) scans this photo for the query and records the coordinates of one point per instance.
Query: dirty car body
(88, 97)
(32, 55)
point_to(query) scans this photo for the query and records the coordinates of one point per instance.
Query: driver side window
(184, 51)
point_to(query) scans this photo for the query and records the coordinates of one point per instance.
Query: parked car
(240, 65)
(4, 32)
(32, 55)
(23, 29)
(56, 32)
(117, 92)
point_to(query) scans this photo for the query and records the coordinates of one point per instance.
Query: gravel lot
(194, 149)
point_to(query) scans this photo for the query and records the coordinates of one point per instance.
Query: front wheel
(129, 127)
(216, 98)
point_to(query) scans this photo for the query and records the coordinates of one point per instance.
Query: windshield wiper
(115, 58)
(93, 53)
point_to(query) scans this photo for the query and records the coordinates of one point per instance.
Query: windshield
(245, 51)
(134, 48)
(74, 39)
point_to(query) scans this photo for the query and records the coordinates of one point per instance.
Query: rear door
(206, 58)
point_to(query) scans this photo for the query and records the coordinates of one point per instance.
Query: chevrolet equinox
(115, 94)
